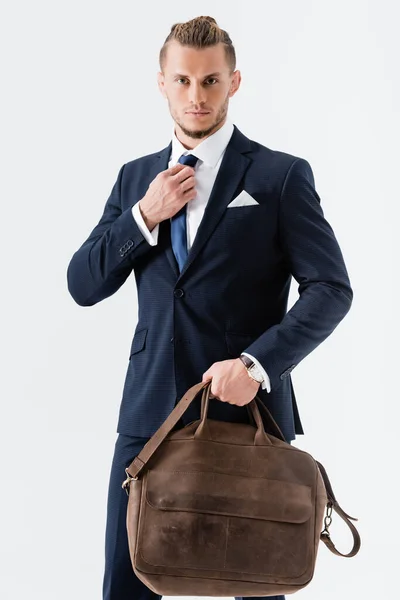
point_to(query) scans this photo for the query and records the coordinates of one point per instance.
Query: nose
(197, 96)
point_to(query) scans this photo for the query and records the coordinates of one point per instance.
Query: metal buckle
(327, 520)
(126, 482)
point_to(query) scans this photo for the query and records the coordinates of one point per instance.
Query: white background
(79, 100)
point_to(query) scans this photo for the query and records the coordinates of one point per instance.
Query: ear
(235, 83)
(160, 82)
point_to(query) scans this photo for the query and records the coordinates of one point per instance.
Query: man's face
(197, 80)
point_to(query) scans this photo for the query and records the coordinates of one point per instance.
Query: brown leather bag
(225, 509)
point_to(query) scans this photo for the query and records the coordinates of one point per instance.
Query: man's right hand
(167, 193)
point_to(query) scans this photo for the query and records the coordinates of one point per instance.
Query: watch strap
(246, 361)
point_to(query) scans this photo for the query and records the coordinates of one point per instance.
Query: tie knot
(188, 159)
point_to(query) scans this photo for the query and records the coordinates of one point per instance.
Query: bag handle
(158, 437)
(260, 439)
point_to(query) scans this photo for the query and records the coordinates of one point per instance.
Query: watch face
(253, 373)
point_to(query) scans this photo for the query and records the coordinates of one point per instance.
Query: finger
(188, 184)
(176, 168)
(183, 174)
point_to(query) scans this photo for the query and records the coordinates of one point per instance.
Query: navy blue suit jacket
(232, 293)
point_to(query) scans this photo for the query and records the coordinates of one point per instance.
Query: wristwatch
(252, 369)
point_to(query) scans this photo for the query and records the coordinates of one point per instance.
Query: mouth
(200, 113)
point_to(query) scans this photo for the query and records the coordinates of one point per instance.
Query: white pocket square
(242, 199)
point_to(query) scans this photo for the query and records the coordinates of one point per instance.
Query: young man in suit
(213, 226)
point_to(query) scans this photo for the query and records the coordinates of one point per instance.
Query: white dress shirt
(209, 152)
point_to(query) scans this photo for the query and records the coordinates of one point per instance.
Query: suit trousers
(120, 581)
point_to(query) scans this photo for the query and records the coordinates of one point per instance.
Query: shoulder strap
(333, 504)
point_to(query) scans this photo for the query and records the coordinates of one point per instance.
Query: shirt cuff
(150, 236)
(266, 384)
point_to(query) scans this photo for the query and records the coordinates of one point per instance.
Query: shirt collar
(209, 150)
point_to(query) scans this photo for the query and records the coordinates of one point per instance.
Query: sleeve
(106, 258)
(151, 236)
(316, 262)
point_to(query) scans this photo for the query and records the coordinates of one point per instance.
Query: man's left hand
(231, 382)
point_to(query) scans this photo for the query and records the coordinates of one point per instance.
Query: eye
(209, 79)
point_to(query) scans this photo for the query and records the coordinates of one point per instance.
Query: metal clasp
(327, 520)
(126, 482)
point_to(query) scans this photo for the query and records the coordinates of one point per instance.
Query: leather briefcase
(226, 509)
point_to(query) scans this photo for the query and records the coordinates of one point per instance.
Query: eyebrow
(209, 75)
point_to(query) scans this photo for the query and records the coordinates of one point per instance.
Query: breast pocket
(249, 210)
(254, 221)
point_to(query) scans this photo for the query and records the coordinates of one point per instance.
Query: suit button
(171, 340)
(178, 293)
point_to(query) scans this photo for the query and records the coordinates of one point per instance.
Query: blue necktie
(178, 222)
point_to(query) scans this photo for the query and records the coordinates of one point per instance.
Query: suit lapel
(231, 171)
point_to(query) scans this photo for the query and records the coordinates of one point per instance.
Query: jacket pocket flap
(138, 341)
(231, 495)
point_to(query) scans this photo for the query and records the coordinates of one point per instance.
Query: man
(213, 226)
